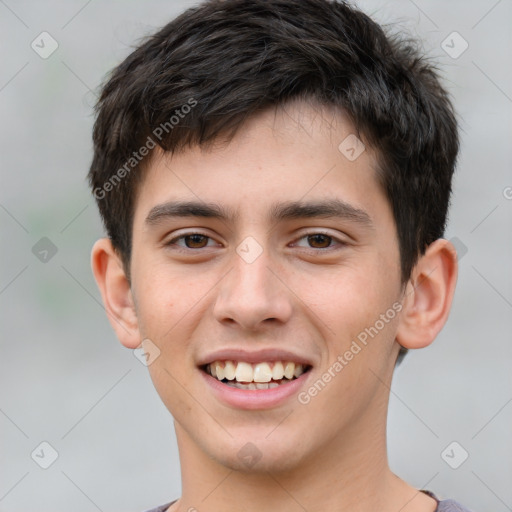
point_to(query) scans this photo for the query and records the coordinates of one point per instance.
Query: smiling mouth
(264, 375)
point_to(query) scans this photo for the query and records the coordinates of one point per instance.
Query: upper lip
(255, 356)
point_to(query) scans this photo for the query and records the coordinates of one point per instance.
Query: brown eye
(189, 241)
(319, 241)
(195, 241)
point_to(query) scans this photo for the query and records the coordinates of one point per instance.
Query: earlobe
(115, 292)
(428, 296)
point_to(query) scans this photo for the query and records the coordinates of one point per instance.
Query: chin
(250, 455)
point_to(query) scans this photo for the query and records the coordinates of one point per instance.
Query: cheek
(351, 296)
(163, 300)
(169, 381)
(351, 310)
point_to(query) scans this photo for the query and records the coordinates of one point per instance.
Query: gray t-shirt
(442, 505)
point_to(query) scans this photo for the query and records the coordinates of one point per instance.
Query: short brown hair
(226, 60)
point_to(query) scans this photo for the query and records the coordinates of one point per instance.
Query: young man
(274, 178)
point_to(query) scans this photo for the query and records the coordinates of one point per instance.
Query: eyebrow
(330, 208)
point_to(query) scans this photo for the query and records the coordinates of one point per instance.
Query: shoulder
(443, 506)
(161, 508)
(446, 505)
(451, 506)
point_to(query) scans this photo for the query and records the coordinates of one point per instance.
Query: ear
(115, 291)
(428, 296)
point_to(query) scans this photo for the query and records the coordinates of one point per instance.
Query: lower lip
(254, 398)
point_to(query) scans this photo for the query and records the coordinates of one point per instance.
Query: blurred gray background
(65, 379)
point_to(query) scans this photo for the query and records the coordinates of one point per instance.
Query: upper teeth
(261, 372)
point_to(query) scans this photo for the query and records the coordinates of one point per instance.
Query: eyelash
(314, 233)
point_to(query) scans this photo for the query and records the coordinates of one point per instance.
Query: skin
(312, 296)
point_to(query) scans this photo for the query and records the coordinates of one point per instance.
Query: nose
(251, 295)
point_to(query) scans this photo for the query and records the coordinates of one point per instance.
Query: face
(282, 278)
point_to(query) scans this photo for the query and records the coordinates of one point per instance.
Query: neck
(347, 473)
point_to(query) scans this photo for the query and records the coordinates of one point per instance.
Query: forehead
(300, 153)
